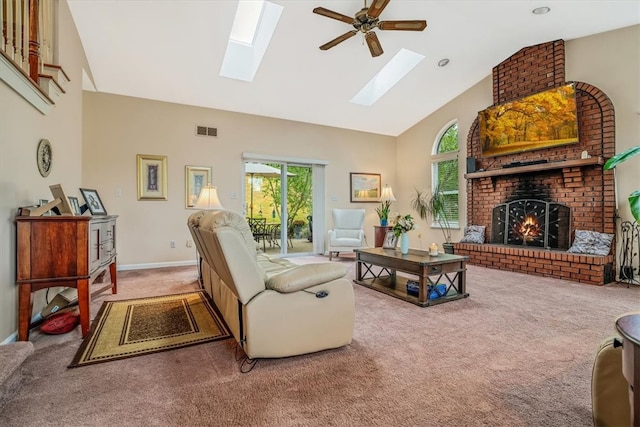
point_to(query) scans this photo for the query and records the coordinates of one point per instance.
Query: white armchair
(347, 233)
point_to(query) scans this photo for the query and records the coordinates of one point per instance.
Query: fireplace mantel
(536, 168)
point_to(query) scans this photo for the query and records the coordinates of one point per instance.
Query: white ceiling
(172, 50)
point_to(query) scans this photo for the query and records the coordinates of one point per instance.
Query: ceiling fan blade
(374, 44)
(402, 25)
(377, 7)
(339, 39)
(334, 15)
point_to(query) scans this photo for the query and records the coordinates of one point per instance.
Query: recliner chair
(347, 233)
(273, 307)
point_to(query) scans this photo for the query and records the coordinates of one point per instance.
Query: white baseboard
(126, 267)
(14, 336)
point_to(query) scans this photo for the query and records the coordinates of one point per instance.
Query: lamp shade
(208, 199)
(387, 194)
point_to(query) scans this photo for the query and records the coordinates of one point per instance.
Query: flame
(529, 229)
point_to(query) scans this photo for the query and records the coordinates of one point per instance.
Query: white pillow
(473, 234)
(591, 242)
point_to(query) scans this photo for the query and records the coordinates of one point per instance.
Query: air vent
(206, 131)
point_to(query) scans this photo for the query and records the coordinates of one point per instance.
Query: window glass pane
(448, 175)
(446, 172)
(449, 140)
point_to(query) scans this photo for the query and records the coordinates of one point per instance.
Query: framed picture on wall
(196, 178)
(152, 177)
(364, 187)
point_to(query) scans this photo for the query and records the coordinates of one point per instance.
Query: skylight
(396, 69)
(253, 27)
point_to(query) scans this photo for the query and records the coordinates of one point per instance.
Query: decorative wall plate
(44, 157)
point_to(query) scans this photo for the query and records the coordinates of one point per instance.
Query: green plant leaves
(621, 157)
(634, 198)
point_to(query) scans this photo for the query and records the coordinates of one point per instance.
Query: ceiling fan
(365, 21)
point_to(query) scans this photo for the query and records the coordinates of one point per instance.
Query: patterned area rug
(148, 325)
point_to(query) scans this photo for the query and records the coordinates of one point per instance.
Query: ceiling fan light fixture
(366, 20)
(541, 10)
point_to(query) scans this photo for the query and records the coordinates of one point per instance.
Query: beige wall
(21, 128)
(609, 61)
(117, 128)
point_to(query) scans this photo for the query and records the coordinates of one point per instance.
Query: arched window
(444, 165)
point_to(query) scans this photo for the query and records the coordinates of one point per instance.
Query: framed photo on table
(94, 204)
(152, 177)
(365, 187)
(196, 178)
(75, 205)
(58, 193)
(390, 240)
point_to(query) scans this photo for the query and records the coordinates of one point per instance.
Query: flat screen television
(545, 119)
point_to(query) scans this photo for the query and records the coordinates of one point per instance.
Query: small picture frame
(43, 202)
(390, 240)
(64, 208)
(196, 178)
(75, 205)
(94, 204)
(365, 187)
(152, 177)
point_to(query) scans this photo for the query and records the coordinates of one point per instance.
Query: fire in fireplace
(531, 222)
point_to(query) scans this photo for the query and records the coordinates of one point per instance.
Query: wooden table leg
(83, 305)
(25, 307)
(114, 277)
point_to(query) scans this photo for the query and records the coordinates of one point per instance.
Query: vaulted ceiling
(172, 50)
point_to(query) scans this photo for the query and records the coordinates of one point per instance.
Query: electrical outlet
(189, 243)
(172, 244)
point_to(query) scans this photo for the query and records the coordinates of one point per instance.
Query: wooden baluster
(9, 32)
(46, 33)
(24, 50)
(3, 29)
(34, 45)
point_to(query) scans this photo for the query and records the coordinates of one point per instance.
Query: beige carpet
(517, 352)
(141, 326)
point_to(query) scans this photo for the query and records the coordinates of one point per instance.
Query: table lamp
(208, 199)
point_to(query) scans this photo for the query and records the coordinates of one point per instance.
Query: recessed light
(443, 62)
(541, 10)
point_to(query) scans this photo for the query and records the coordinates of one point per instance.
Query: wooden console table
(450, 270)
(629, 327)
(63, 251)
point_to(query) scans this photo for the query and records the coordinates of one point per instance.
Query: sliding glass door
(279, 206)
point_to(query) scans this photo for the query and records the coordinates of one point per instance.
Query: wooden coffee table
(376, 269)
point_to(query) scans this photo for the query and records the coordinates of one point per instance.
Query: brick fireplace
(569, 191)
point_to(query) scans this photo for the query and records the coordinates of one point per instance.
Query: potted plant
(383, 212)
(634, 198)
(297, 227)
(626, 269)
(434, 206)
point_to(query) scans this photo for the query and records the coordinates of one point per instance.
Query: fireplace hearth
(530, 211)
(531, 222)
